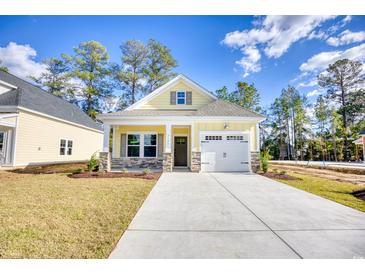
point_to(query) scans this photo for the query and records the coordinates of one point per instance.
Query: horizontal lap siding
(232, 126)
(125, 129)
(162, 101)
(38, 140)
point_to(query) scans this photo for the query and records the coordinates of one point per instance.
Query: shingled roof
(34, 98)
(216, 108)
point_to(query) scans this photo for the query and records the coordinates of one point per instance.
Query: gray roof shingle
(216, 108)
(29, 96)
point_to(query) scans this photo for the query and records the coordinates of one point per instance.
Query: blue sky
(271, 52)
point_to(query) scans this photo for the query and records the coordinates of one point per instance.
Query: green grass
(329, 189)
(53, 216)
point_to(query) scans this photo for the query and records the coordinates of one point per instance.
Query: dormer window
(181, 98)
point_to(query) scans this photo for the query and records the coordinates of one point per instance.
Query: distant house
(182, 125)
(361, 143)
(39, 128)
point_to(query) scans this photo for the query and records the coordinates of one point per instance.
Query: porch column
(168, 138)
(167, 155)
(106, 138)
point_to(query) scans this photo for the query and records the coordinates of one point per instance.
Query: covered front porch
(154, 146)
(7, 138)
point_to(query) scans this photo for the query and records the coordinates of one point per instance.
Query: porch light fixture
(225, 126)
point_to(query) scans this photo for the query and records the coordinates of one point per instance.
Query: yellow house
(182, 125)
(39, 128)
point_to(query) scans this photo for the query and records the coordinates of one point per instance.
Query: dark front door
(181, 151)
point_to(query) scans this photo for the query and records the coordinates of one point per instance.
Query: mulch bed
(359, 194)
(147, 176)
(274, 175)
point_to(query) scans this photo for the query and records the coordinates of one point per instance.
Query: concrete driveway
(235, 215)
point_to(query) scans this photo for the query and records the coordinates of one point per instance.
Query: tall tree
(341, 79)
(3, 68)
(90, 66)
(132, 73)
(224, 94)
(57, 79)
(335, 126)
(160, 64)
(322, 114)
(247, 96)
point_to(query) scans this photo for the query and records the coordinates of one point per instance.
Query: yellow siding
(10, 120)
(38, 140)
(232, 126)
(162, 101)
(125, 129)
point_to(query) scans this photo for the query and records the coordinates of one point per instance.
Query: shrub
(147, 171)
(78, 171)
(93, 163)
(264, 158)
(124, 170)
(275, 170)
(282, 172)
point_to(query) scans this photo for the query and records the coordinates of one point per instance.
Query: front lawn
(53, 216)
(339, 192)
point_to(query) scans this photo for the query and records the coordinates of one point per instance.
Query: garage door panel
(225, 152)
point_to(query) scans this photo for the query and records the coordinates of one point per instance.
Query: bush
(264, 158)
(282, 172)
(124, 170)
(147, 171)
(93, 163)
(78, 171)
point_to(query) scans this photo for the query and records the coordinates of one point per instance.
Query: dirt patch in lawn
(323, 173)
(50, 169)
(274, 175)
(359, 194)
(147, 176)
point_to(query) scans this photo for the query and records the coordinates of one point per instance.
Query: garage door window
(213, 137)
(235, 138)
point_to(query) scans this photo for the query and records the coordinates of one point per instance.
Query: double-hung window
(66, 147)
(150, 145)
(142, 145)
(133, 145)
(181, 98)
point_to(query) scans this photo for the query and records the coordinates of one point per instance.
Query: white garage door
(224, 152)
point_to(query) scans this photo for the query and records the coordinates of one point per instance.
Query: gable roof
(168, 85)
(214, 109)
(34, 98)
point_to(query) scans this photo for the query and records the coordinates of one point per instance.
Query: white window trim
(177, 97)
(141, 144)
(66, 147)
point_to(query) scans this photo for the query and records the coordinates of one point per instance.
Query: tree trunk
(344, 118)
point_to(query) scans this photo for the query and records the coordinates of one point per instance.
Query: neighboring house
(361, 142)
(181, 124)
(39, 128)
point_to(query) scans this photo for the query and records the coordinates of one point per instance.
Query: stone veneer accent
(124, 162)
(104, 161)
(195, 161)
(167, 162)
(255, 161)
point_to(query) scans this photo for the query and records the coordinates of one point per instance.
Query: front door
(181, 151)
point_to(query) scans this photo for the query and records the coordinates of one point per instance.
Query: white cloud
(346, 37)
(276, 34)
(321, 60)
(310, 83)
(250, 60)
(321, 35)
(314, 93)
(20, 60)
